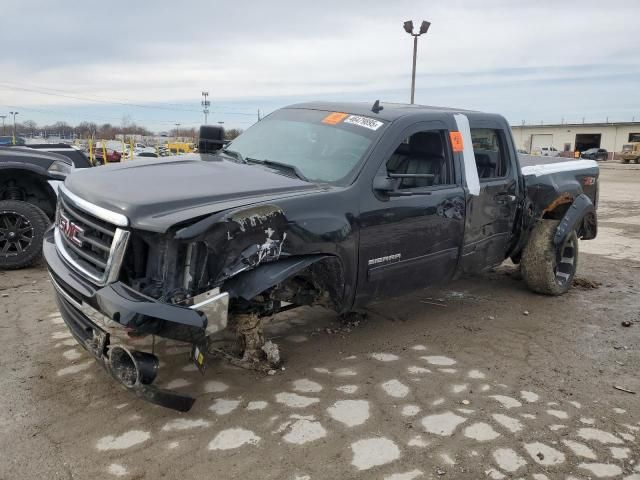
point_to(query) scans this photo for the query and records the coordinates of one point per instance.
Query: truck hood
(155, 194)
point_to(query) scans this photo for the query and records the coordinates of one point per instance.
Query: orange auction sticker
(334, 117)
(456, 141)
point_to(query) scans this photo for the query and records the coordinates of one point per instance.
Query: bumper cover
(91, 312)
(96, 342)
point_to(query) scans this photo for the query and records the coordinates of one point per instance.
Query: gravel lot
(482, 379)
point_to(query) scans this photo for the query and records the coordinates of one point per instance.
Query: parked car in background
(112, 155)
(8, 140)
(631, 152)
(547, 152)
(595, 154)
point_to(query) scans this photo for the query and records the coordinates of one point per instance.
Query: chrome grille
(87, 239)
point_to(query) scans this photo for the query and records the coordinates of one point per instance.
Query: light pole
(205, 105)
(14, 125)
(3, 130)
(177, 130)
(408, 27)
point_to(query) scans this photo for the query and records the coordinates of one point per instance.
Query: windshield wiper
(280, 166)
(233, 154)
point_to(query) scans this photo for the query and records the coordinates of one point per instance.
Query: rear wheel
(22, 227)
(546, 268)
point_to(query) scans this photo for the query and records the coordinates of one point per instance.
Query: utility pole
(259, 115)
(205, 105)
(177, 130)
(3, 129)
(14, 125)
(408, 27)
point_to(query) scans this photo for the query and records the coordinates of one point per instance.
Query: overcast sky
(150, 60)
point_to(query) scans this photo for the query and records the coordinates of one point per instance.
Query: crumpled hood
(155, 194)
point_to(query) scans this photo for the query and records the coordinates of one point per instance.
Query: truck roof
(390, 112)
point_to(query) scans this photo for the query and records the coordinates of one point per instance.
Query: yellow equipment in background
(180, 147)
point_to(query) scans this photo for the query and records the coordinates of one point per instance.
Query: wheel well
(557, 209)
(319, 283)
(26, 186)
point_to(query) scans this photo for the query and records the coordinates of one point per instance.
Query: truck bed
(538, 165)
(527, 160)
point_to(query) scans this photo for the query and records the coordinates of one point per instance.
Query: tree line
(105, 131)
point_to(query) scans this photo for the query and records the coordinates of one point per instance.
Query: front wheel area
(546, 268)
(22, 227)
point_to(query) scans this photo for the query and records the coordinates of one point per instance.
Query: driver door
(412, 240)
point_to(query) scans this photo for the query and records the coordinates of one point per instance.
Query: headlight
(59, 168)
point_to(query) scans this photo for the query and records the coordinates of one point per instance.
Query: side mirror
(389, 185)
(384, 184)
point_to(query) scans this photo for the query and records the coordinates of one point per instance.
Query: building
(570, 137)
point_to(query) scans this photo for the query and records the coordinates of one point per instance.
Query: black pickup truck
(331, 204)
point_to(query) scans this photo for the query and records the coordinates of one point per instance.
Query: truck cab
(427, 221)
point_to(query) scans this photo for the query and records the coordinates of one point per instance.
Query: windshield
(322, 146)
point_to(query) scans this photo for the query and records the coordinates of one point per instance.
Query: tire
(624, 160)
(22, 227)
(545, 268)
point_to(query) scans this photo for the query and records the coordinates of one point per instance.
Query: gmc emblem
(70, 230)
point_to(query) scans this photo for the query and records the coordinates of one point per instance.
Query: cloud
(263, 53)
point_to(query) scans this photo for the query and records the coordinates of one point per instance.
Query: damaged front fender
(239, 240)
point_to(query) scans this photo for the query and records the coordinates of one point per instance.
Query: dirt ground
(482, 379)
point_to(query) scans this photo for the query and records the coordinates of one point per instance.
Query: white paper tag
(365, 122)
(468, 157)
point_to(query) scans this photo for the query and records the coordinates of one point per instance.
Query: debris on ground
(272, 352)
(471, 328)
(526, 312)
(622, 389)
(626, 323)
(580, 282)
(433, 303)
(458, 295)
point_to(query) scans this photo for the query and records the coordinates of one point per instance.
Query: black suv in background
(78, 157)
(29, 181)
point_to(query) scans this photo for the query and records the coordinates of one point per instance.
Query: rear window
(488, 148)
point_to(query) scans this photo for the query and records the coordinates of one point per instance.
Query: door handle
(504, 197)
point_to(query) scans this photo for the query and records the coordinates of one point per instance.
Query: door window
(488, 148)
(426, 153)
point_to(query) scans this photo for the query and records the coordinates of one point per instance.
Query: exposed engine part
(250, 337)
(12, 192)
(256, 354)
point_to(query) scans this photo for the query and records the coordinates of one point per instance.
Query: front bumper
(93, 313)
